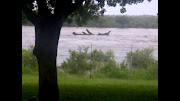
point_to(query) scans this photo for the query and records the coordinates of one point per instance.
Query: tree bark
(46, 42)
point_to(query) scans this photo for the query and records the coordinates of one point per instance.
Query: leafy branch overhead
(80, 10)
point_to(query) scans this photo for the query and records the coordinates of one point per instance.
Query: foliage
(111, 70)
(111, 22)
(80, 11)
(151, 73)
(81, 61)
(141, 58)
(123, 65)
(92, 9)
(103, 65)
(122, 22)
(29, 61)
(25, 21)
(153, 70)
(77, 63)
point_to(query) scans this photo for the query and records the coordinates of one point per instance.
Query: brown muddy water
(119, 40)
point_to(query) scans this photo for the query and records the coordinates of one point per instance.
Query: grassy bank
(73, 88)
(110, 82)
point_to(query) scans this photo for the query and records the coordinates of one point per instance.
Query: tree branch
(30, 15)
(43, 8)
(67, 7)
(74, 7)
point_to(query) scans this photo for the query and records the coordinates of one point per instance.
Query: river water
(119, 40)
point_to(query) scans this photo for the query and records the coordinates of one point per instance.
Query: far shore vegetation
(109, 21)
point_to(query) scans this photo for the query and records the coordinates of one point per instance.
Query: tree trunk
(46, 42)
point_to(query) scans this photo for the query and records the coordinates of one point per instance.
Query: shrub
(141, 58)
(153, 70)
(112, 70)
(143, 63)
(103, 65)
(29, 61)
(123, 65)
(77, 63)
(82, 61)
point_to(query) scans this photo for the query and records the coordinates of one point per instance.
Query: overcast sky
(145, 8)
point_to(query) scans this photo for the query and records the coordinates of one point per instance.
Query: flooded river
(119, 40)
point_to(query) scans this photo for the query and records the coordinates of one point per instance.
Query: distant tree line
(143, 21)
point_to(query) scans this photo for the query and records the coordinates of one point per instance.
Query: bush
(82, 61)
(29, 61)
(144, 66)
(103, 65)
(141, 58)
(77, 63)
(28, 70)
(123, 65)
(153, 70)
(61, 73)
(112, 70)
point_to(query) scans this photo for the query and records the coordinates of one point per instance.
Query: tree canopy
(80, 10)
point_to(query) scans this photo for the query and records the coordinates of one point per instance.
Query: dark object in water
(90, 33)
(145, 36)
(84, 33)
(104, 33)
(76, 33)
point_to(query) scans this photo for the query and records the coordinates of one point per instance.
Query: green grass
(73, 88)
